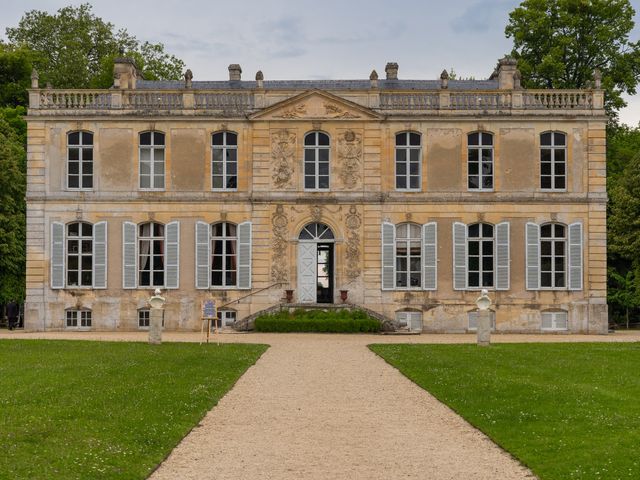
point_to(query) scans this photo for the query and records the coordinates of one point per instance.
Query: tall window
(553, 161)
(151, 255)
(480, 161)
(408, 256)
(224, 161)
(480, 255)
(408, 155)
(553, 257)
(152, 160)
(316, 161)
(79, 254)
(224, 248)
(80, 160)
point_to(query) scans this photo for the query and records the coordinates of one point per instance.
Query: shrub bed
(319, 321)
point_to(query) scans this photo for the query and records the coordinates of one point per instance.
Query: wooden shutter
(388, 256)
(575, 256)
(203, 262)
(430, 256)
(502, 256)
(244, 255)
(100, 255)
(533, 256)
(459, 256)
(172, 255)
(129, 256)
(57, 255)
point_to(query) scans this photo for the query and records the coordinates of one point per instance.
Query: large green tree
(75, 49)
(559, 43)
(15, 75)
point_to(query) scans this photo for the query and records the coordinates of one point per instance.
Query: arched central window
(480, 257)
(316, 231)
(152, 160)
(316, 161)
(79, 254)
(553, 248)
(224, 249)
(224, 161)
(151, 254)
(408, 256)
(480, 161)
(408, 154)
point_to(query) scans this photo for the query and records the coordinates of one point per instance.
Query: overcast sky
(304, 39)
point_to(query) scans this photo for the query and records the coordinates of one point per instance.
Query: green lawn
(97, 410)
(567, 411)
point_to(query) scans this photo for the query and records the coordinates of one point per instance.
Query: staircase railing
(250, 294)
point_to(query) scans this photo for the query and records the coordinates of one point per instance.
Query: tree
(75, 49)
(12, 213)
(15, 75)
(559, 43)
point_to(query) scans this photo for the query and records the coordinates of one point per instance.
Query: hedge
(341, 321)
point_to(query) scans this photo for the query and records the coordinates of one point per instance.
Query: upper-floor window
(553, 161)
(224, 161)
(408, 155)
(80, 160)
(224, 248)
(316, 161)
(79, 254)
(480, 249)
(480, 161)
(408, 255)
(152, 160)
(151, 251)
(553, 255)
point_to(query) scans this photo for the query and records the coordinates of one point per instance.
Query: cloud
(483, 16)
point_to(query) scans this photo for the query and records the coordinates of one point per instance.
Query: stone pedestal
(155, 326)
(484, 328)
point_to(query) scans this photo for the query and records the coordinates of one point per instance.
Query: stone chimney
(373, 78)
(260, 79)
(506, 71)
(235, 72)
(392, 71)
(125, 73)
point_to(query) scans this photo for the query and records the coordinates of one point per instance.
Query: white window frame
(554, 320)
(224, 239)
(81, 147)
(553, 241)
(316, 147)
(409, 316)
(152, 239)
(79, 255)
(481, 239)
(81, 315)
(226, 315)
(142, 313)
(408, 241)
(153, 148)
(481, 146)
(553, 148)
(408, 148)
(224, 148)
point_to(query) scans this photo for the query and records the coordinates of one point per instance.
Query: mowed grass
(106, 410)
(567, 411)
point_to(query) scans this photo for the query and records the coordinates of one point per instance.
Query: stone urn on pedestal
(155, 318)
(484, 319)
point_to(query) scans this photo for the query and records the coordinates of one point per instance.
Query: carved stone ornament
(353, 222)
(316, 212)
(294, 112)
(334, 111)
(283, 149)
(350, 156)
(279, 222)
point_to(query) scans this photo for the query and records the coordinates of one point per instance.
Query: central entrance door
(315, 264)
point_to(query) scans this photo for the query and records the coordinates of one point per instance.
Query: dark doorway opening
(324, 274)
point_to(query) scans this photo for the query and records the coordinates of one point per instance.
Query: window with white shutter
(575, 256)
(533, 256)
(388, 255)
(459, 256)
(502, 257)
(554, 320)
(100, 255)
(430, 256)
(203, 263)
(129, 257)
(244, 255)
(172, 241)
(57, 255)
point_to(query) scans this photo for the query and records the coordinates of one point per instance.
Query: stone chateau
(410, 195)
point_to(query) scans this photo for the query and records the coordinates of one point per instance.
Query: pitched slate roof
(321, 85)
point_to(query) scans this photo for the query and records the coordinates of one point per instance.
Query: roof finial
(34, 78)
(597, 77)
(260, 79)
(188, 77)
(444, 79)
(374, 79)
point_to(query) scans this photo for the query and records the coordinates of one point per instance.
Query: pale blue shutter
(533, 256)
(388, 255)
(459, 256)
(575, 256)
(502, 256)
(129, 256)
(172, 256)
(244, 255)
(57, 255)
(430, 256)
(203, 244)
(100, 255)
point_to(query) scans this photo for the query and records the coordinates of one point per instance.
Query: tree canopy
(75, 49)
(559, 43)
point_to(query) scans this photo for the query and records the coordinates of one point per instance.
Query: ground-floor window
(411, 319)
(472, 318)
(226, 318)
(78, 319)
(143, 318)
(556, 320)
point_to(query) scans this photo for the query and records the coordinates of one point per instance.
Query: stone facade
(361, 119)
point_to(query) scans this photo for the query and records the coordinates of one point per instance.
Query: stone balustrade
(443, 101)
